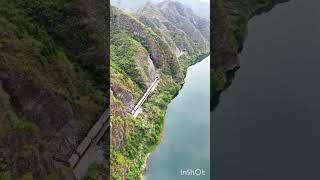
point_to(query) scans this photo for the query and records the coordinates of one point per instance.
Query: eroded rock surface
(51, 113)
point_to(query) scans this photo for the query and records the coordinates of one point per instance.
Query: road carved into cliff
(81, 159)
(137, 109)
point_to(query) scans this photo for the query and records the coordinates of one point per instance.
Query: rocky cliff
(160, 52)
(52, 83)
(177, 25)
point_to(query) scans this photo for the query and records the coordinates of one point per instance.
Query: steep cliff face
(129, 68)
(52, 82)
(185, 19)
(230, 19)
(160, 52)
(177, 25)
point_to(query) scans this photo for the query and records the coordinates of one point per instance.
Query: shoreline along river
(185, 143)
(266, 126)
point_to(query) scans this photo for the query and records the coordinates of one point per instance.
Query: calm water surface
(186, 140)
(267, 125)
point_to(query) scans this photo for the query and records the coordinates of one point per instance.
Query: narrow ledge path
(137, 109)
(88, 152)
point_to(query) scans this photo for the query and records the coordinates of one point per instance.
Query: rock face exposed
(151, 71)
(154, 53)
(160, 52)
(177, 25)
(195, 27)
(49, 111)
(65, 141)
(125, 96)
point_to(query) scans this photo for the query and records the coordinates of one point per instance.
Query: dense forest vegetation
(53, 71)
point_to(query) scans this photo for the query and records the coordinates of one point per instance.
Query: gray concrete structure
(80, 160)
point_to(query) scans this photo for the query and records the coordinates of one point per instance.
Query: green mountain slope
(178, 26)
(159, 51)
(52, 74)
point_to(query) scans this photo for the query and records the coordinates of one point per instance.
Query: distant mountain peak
(177, 25)
(150, 9)
(180, 8)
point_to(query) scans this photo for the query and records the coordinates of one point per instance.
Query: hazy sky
(208, 1)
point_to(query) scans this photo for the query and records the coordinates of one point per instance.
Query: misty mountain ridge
(200, 8)
(177, 25)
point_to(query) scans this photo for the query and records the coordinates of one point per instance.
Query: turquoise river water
(184, 152)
